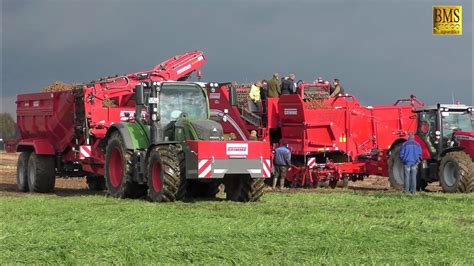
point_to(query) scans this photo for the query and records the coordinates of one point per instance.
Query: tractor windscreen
(182, 100)
(456, 120)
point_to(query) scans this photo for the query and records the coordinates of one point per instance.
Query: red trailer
(331, 138)
(72, 124)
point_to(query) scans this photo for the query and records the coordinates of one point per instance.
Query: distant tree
(7, 126)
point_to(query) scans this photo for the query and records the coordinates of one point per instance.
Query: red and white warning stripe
(311, 162)
(267, 166)
(204, 168)
(84, 151)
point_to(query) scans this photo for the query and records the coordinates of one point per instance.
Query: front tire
(395, 168)
(456, 172)
(41, 173)
(164, 174)
(22, 172)
(119, 170)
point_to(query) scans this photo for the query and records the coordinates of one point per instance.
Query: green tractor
(171, 149)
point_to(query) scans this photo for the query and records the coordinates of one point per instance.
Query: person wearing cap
(336, 89)
(282, 163)
(273, 86)
(410, 154)
(288, 85)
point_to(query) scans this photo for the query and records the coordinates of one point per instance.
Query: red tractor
(446, 135)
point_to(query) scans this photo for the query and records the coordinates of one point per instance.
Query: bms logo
(447, 20)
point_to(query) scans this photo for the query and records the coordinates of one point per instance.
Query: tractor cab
(177, 111)
(440, 127)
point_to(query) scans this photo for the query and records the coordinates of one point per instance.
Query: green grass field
(288, 228)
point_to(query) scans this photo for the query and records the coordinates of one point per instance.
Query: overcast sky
(380, 50)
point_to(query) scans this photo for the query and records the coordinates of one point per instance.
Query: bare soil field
(78, 186)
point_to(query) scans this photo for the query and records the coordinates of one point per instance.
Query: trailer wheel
(395, 168)
(119, 170)
(41, 173)
(95, 183)
(243, 188)
(22, 172)
(199, 189)
(456, 172)
(164, 175)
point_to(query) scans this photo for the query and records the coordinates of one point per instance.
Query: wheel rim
(156, 176)
(116, 168)
(398, 171)
(450, 174)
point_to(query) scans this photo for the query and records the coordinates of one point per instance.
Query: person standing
(410, 153)
(254, 96)
(273, 86)
(336, 89)
(288, 85)
(282, 162)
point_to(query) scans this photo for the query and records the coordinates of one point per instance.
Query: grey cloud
(380, 51)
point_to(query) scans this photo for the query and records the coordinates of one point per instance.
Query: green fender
(133, 134)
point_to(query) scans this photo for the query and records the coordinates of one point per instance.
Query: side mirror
(139, 98)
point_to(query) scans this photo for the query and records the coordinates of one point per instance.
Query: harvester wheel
(333, 183)
(344, 183)
(22, 172)
(119, 170)
(395, 168)
(164, 174)
(243, 188)
(95, 183)
(456, 172)
(41, 173)
(199, 189)
(323, 184)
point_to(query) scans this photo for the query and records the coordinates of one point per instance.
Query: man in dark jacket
(337, 89)
(273, 86)
(410, 153)
(282, 162)
(288, 85)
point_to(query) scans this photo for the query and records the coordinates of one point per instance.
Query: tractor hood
(466, 141)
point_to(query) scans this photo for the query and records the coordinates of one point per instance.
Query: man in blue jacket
(282, 162)
(410, 153)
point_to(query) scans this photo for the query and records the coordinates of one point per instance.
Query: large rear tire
(395, 168)
(22, 172)
(41, 173)
(164, 174)
(456, 171)
(119, 170)
(243, 188)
